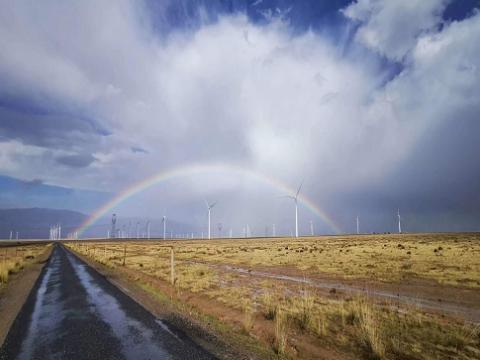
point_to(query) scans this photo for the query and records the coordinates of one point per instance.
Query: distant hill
(34, 223)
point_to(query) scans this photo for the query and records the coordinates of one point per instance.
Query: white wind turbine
(164, 221)
(399, 222)
(209, 208)
(295, 199)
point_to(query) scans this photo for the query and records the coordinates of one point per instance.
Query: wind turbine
(164, 221)
(147, 229)
(209, 208)
(399, 222)
(295, 199)
(358, 226)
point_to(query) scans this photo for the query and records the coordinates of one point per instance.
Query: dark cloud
(33, 182)
(48, 129)
(137, 149)
(76, 161)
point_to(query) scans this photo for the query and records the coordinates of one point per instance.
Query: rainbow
(196, 169)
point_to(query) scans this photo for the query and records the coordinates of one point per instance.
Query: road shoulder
(14, 295)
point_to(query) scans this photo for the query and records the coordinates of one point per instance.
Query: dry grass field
(380, 296)
(14, 258)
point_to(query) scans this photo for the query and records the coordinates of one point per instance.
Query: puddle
(137, 340)
(47, 301)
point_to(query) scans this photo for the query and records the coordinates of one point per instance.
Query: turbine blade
(211, 206)
(299, 188)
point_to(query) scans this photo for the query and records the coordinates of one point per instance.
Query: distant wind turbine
(358, 226)
(399, 222)
(147, 229)
(295, 199)
(164, 221)
(209, 208)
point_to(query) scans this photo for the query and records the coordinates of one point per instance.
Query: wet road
(75, 313)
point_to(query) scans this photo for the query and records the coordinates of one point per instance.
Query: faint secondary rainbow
(196, 169)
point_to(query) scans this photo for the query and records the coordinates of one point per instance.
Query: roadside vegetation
(230, 281)
(14, 258)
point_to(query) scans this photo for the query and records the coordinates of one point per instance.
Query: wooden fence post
(172, 266)
(124, 253)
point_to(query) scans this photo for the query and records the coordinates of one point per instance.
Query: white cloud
(392, 27)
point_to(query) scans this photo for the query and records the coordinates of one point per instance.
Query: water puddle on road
(41, 325)
(138, 341)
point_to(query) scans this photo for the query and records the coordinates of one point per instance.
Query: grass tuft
(369, 328)
(281, 328)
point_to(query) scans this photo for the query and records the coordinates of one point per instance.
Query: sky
(371, 104)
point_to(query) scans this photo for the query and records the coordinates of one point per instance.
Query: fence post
(172, 266)
(124, 253)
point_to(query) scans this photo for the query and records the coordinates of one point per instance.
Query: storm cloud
(375, 105)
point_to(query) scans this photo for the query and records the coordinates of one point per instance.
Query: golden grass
(281, 330)
(14, 258)
(371, 330)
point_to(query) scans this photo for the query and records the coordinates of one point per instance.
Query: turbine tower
(358, 226)
(164, 221)
(209, 208)
(311, 228)
(148, 229)
(399, 222)
(295, 199)
(114, 222)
